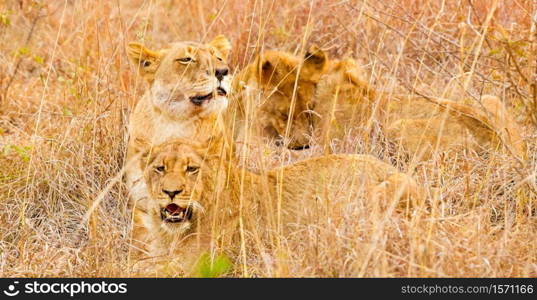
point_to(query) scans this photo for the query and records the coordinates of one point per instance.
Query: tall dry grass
(67, 90)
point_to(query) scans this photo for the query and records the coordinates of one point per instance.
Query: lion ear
(141, 144)
(211, 148)
(266, 68)
(315, 61)
(146, 60)
(143, 148)
(315, 57)
(222, 44)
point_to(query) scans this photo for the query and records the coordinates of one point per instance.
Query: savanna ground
(67, 89)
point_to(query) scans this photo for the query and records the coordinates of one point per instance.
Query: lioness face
(188, 79)
(280, 82)
(172, 177)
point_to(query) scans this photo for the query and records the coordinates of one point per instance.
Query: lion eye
(219, 58)
(160, 169)
(184, 60)
(192, 169)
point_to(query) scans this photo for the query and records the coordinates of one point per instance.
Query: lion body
(421, 126)
(282, 98)
(336, 101)
(299, 193)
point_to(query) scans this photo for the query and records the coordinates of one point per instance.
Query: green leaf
(212, 267)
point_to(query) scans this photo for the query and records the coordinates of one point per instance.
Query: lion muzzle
(174, 213)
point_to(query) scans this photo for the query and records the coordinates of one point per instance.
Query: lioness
(196, 195)
(189, 85)
(268, 93)
(329, 99)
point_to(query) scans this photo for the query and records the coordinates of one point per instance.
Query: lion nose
(172, 194)
(220, 73)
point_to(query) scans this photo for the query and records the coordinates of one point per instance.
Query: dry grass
(67, 90)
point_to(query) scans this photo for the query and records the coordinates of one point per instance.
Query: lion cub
(326, 99)
(196, 195)
(189, 85)
(271, 90)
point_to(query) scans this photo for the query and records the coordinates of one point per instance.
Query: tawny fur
(223, 193)
(266, 94)
(175, 75)
(336, 101)
(345, 102)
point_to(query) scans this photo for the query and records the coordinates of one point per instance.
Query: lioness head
(281, 78)
(172, 175)
(187, 79)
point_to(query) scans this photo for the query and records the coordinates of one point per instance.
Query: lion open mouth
(198, 100)
(174, 213)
